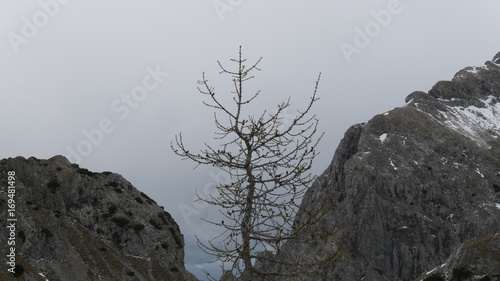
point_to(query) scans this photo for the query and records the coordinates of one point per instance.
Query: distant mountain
(408, 188)
(74, 224)
(413, 194)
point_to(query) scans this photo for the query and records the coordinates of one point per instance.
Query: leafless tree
(267, 158)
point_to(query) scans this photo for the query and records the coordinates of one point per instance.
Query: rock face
(412, 184)
(73, 224)
(477, 259)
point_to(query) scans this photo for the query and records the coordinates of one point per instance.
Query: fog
(109, 84)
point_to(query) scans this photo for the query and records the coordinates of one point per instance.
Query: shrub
(164, 245)
(18, 270)
(434, 277)
(174, 269)
(120, 221)
(150, 201)
(139, 200)
(84, 171)
(163, 217)
(47, 232)
(138, 227)
(21, 235)
(461, 273)
(155, 224)
(53, 184)
(112, 209)
(112, 183)
(130, 273)
(496, 187)
(176, 237)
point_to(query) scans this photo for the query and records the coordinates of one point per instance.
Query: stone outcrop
(410, 186)
(74, 224)
(477, 259)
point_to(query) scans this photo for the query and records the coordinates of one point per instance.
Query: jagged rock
(412, 184)
(74, 224)
(477, 259)
(496, 59)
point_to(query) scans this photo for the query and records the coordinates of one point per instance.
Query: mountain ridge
(411, 184)
(74, 224)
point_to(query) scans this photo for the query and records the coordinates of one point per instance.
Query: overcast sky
(129, 69)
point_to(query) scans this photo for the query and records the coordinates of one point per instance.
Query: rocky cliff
(408, 187)
(73, 224)
(477, 259)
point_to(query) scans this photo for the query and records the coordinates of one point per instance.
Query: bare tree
(267, 158)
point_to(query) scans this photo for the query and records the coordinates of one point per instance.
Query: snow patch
(139, 257)
(479, 172)
(474, 70)
(427, 273)
(382, 137)
(474, 122)
(490, 204)
(441, 266)
(392, 164)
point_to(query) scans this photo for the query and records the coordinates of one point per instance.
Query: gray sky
(70, 68)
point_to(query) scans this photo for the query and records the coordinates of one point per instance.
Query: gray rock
(411, 185)
(496, 59)
(477, 259)
(74, 224)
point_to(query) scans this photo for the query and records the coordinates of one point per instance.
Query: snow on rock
(382, 137)
(392, 164)
(45, 277)
(474, 122)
